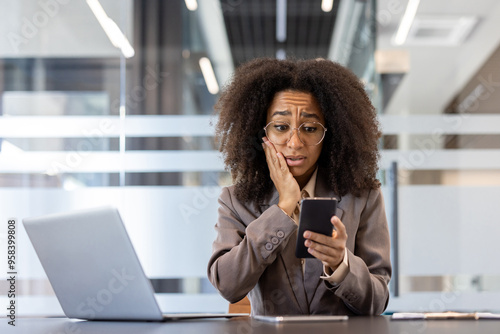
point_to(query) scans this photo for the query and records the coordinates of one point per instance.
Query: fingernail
(307, 234)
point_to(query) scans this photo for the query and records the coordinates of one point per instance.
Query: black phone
(315, 215)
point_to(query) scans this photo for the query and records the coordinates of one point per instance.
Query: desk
(371, 325)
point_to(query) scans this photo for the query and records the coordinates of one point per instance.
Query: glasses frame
(298, 132)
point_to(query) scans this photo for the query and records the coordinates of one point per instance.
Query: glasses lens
(278, 132)
(311, 133)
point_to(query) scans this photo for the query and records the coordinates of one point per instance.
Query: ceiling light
(192, 5)
(115, 35)
(327, 5)
(406, 22)
(209, 75)
(280, 53)
(281, 20)
(440, 30)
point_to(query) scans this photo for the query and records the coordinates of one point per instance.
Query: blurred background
(111, 102)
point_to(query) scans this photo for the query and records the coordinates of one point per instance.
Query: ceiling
(251, 28)
(439, 73)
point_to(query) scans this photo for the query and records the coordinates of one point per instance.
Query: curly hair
(350, 149)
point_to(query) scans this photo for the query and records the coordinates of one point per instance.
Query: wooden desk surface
(372, 325)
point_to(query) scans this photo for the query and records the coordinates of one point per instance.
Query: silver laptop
(93, 268)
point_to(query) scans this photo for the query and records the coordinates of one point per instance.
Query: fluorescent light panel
(115, 35)
(281, 54)
(192, 5)
(281, 20)
(442, 30)
(327, 5)
(209, 75)
(406, 22)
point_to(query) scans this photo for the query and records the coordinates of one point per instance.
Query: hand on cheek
(285, 183)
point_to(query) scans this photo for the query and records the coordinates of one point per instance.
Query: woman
(320, 134)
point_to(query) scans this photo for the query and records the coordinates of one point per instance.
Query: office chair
(243, 306)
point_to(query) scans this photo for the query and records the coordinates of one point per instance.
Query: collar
(310, 186)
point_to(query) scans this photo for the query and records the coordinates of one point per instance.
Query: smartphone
(315, 215)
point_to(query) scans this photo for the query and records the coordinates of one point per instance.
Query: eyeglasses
(309, 133)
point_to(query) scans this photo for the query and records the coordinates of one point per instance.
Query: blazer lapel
(305, 285)
(314, 267)
(293, 267)
(292, 264)
(312, 273)
(322, 190)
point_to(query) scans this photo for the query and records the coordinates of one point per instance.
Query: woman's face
(295, 108)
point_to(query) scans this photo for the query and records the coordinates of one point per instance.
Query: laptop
(94, 269)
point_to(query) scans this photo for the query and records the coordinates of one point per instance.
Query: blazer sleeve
(245, 245)
(364, 290)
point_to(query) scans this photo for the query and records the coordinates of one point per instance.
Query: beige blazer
(254, 254)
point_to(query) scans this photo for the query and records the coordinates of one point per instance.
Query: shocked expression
(288, 111)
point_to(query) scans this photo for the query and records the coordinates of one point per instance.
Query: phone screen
(315, 215)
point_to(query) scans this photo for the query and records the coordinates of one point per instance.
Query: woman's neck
(304, 178)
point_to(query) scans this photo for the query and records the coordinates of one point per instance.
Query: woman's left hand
(328, 249)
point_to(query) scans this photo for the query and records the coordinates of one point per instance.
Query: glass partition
(441, 128)
(111, 102)
(105, 103)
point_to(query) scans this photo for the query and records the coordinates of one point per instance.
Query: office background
(111, 102)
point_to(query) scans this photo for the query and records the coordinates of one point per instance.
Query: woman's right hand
(285, 183)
